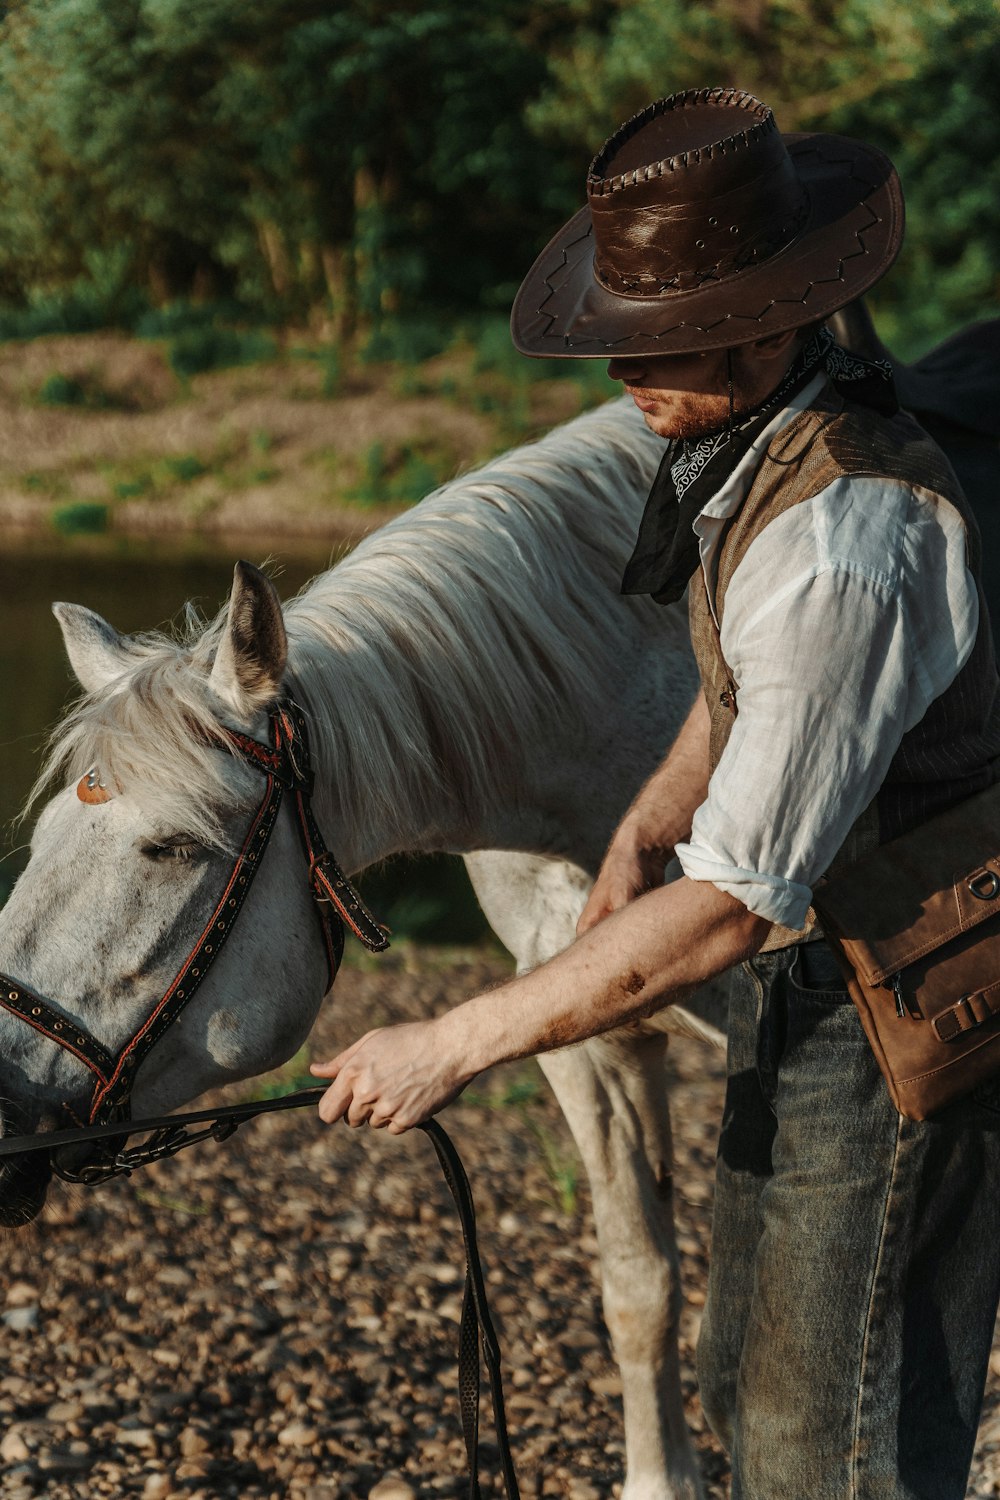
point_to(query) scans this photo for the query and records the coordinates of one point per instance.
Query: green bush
(333, 370)
(195, 350)
(371, 487)
(185, 467)
(82, 391)
(81, 308)
(178, 317)
(494, 354)
(62, 390)
(401, 476)
(408, 341)
(131, 489)
(415, 479)
(81, 518)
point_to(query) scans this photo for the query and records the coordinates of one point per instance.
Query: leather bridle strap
(200, 959)
(327, 879)
(22, 1001)
(286, 765)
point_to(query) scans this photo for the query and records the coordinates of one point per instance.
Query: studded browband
(287, 766)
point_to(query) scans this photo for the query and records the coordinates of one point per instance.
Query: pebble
(13, 1448)
(392, 1487)
(21, 1294)
(156, 1487)
(20, 1319)
(136, 1437)
(297, 1435)
(193, 1443)
(65, 1411)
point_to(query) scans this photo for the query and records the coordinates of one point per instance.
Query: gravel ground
(277, 1316)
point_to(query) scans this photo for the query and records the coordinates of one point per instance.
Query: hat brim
(850, 238)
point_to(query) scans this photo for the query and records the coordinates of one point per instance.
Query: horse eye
(174, 849)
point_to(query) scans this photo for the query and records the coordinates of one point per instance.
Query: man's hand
(393, 1078)
(633, 864)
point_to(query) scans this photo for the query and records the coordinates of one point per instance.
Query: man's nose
(629, 371)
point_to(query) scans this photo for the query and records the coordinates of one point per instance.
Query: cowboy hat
(705, 228)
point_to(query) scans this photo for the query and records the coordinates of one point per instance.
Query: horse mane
(445, 636)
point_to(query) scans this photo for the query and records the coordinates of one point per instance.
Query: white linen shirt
(849, 614)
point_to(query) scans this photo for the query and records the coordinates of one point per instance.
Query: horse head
(130, 860)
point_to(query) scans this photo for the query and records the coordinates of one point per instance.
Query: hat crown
(694, 189)
(678, 132)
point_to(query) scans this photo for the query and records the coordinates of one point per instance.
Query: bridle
(286, 766)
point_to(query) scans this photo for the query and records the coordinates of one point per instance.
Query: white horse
(474, 682)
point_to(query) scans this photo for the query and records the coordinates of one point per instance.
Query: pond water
(139, 585)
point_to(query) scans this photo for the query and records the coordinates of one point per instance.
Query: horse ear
(250, 661)
(97, 653)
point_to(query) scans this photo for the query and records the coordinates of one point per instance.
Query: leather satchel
(915, 927)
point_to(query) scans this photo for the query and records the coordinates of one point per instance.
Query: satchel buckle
(984, 885)
(968, 1013)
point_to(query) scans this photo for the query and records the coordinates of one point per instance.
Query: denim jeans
(855, 1257)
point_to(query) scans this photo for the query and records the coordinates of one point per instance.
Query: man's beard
(694, 415)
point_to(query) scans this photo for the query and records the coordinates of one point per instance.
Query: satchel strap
(968, 1013)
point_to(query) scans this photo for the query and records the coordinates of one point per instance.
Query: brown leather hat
(705, 227)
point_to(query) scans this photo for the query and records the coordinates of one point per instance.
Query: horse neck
(457, 662)
(398, 769)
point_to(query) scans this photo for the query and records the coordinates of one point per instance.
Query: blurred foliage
(401, 473)
(189, 169)
(84, 391)
(915, 77)
(283, 153)
(425, 899)
(195, 350)
(81, 518)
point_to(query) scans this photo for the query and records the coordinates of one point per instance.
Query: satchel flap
(918, 892)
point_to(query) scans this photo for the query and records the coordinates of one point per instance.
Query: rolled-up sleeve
(875, 615)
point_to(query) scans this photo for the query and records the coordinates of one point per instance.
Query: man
(850, 693)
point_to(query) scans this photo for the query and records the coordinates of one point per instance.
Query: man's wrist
(467, 1036)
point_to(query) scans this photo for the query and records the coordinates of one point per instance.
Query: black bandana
(666, 550)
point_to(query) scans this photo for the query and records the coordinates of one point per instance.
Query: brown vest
(954, 750)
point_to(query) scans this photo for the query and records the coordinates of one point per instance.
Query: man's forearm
(652, 953)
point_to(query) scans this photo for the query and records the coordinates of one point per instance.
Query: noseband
(286, 766)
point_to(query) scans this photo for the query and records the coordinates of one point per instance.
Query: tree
(916, 77)
(286, 150)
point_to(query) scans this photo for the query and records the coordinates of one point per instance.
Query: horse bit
(287, 766)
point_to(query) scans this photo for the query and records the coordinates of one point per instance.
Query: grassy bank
(217, 430)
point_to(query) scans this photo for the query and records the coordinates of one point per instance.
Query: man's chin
(686, 419)
(684, 429)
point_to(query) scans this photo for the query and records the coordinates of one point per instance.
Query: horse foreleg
(613, 1092)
